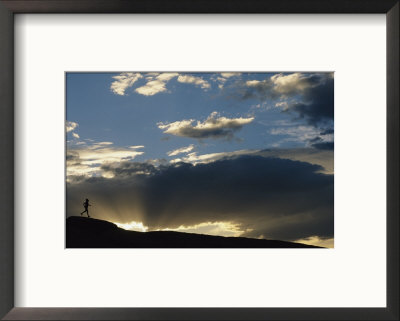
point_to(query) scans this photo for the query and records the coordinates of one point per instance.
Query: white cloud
(282, 85)
(167, 76)
(292, 83)
(198, 81)
(181, 150)
(151, 75)
(151, 88)
(124, 81)
(252, 83)
(136, 146)
(156, 84)
(194, 159)
(229, 74)
(87, 160)
(213, 127)
(71, 125)
(106, 155)
(282, 104)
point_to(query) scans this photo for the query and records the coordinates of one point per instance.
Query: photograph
(248, 147)
(199, 159)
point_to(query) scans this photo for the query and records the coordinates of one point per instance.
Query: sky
(231, 154)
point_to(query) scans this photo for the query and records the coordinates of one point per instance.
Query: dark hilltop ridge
(83, 232)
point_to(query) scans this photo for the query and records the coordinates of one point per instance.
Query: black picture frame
(8, 8)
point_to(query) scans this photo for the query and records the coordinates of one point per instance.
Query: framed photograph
(202, 161)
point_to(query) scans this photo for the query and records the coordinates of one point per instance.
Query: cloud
(255, 83)
(87, 160)
(221, 80)
(324, 145)
(128, 169)
(156, 84)
(70, 126)
(124, 81)
(283, 85)
(98, 155)
(194, 159)
(229, 74)
(167, 76)
(316, 105)
(320, 157)
(181, 150)
(213, 127)
(261, 196)
(308, 95)
(282, 104)
(293, 84)
(309, 135)
(327, 131)
(151, 88)
(262, 90)
(198, 81)
(323, 158)
(296, 133)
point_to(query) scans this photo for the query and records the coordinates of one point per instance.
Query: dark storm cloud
(276, 198)
(126, 169)
(323, 145)
(316, 105)
(320, 142)
(327, 131)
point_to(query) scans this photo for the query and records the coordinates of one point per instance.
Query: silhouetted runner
(86, 206)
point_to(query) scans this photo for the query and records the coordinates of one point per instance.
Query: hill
(83, 232)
